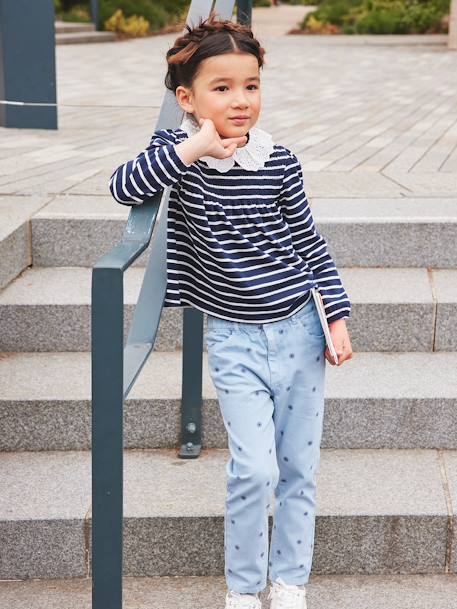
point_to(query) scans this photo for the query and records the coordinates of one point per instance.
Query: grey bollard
(27, 63)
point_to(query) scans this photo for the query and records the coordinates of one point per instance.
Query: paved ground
(207, 592)
(367, 116)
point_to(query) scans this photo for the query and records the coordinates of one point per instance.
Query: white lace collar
(252, 156)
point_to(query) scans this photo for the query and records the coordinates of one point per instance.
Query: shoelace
(246, 602)
(286, 597)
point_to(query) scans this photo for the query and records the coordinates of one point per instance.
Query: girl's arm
(309, 243)
(161, 164)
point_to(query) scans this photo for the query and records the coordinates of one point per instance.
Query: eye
(225, 87)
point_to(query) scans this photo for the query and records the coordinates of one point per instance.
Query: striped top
(241, 245)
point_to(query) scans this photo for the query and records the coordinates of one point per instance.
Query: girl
(243, 248)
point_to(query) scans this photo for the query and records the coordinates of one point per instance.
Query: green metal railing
(115, 367)
(94, 13)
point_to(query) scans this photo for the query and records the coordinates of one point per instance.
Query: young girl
(243, 248)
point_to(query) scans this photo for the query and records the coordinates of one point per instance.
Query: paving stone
(206, 592)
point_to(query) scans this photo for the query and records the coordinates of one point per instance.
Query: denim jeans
(269, 379)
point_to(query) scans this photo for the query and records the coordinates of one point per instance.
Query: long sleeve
(155, 168)
(311, 246)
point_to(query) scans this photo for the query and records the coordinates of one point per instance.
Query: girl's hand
(340, 339)
(214, 145)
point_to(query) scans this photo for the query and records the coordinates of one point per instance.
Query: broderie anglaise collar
(252, 156)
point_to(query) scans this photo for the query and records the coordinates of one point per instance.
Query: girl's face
(225, 87)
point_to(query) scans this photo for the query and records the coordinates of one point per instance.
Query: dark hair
(211, 37)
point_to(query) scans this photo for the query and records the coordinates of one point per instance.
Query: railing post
(107, 437)
(192, 370)
(244, 12)
(27, 63)
(94, 12)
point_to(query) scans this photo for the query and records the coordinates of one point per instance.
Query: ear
(184, 98)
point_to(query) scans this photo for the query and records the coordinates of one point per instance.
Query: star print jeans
(269, 380)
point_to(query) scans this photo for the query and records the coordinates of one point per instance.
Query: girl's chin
(235, 132)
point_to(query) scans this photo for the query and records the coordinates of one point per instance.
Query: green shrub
(335, 12)
(159, 13)
(77, 12)
(381, 16)
(424, 18)
(133, 26)
(382, 21)
(156, 15)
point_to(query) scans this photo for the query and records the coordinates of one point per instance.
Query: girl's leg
(239, 371)
(298, 416)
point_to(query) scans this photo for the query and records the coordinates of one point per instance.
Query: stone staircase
(387, 482)
(68, 32)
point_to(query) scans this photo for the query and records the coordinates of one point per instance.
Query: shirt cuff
(339, 315)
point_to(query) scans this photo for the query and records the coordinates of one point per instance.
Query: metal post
(94, 13)
(244, 12)
(192, 370)
(27, 63)
(107, 437)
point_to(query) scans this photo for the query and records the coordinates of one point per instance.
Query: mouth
(239, 118)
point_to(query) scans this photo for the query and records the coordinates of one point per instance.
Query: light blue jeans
(269, 380)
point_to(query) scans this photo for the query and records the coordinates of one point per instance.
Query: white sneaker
(286, 596)
(237, 600)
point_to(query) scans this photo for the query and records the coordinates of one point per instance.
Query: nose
(240, 101)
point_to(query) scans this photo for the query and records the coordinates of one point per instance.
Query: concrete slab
(206, 592)
(15, 234)
(445, 289)
(389, 305)
(376, 400)
(449, 466)
(379, 511)
(392, 232)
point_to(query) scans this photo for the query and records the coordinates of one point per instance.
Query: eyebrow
(229, 79)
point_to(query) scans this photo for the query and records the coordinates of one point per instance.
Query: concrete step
(377, 400)
(16, 235)
(380, 511)
(208, 592)
(85, 37)
(67, 27)
(394, 309)
(397, 232)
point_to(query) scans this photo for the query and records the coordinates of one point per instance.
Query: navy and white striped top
(241, 245)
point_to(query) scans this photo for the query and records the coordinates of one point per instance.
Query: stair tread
(157, 483)
(88, 36)
(72, 285)
(344, 210)
(73, 26)
(66, 375)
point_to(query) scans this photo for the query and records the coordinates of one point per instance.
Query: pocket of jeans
(217, 336)
(312, 325)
